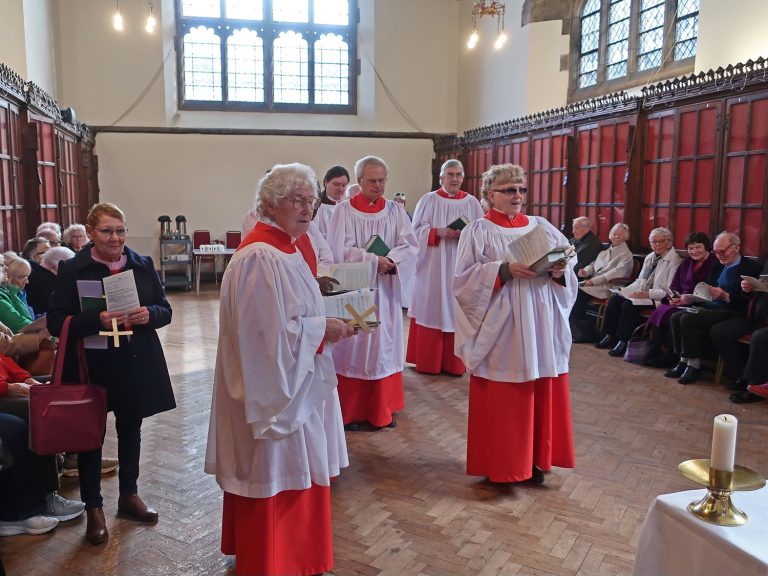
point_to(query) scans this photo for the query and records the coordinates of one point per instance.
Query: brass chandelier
(494, 9)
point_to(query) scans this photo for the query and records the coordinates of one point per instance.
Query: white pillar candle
(724, 442)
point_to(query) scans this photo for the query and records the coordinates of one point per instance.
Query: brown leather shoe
(134, 507)
(96, 527)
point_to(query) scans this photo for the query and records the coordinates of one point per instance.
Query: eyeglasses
(661, 241)
(724, 250)
(450, 175)
(511, 190)
(107, 232)
(300, 203)
(372, 181)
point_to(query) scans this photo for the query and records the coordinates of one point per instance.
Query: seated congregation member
(42, 277)
(34, 249)
(512, 333)
(614, 262)
(689, 330)
(31, 489)
(692, 270)
(74, 237)
(53, 235)
(44, 225)
(14, 274)
(276, 436)
(431, 333)
(370, 366)
(134, 373)
(334, 183)
(27, 506)
(587, 245)
(745, 371)
(621, 315)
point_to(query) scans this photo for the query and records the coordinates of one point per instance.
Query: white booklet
(120, 291)
(534, 250)
(758, 284)
(624, 293)
(361, 302)
(700, 293)
(351, 276)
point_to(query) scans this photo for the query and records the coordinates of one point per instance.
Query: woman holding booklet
(276, 436)
(512, 333)
(135, 373)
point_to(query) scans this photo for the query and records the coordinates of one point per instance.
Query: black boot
(618, 350)
(608, 341)
(677, 371)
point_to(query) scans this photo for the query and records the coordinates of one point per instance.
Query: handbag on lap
(67, 416)
(39, 363)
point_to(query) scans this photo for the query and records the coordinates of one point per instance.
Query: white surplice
(519, 332)
(322, 250)
(323, 218)
(381, 353)
(432, 305)
(275, 417)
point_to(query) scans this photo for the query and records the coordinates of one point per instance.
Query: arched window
(624, 43)
(267, 55)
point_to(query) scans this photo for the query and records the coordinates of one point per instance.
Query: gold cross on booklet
(358, 319)
(115, 333)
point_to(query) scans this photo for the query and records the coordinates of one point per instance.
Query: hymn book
(700, 294)
(350, 276)
(459, 223)
(624, 293)
(361, 301)
(534, 251)
(376, 245)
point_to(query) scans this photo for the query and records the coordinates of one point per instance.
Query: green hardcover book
(93, 303)
(459, 223)
(376, 245)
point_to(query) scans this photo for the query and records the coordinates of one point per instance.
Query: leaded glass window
(624, 43)
(270, 55)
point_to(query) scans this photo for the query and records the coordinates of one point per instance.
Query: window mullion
(602, 55)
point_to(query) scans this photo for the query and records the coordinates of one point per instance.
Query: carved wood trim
(11, 84)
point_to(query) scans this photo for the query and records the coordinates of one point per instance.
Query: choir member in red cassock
(370, 366)
(431, 333)
(512, 333)
(276, 435)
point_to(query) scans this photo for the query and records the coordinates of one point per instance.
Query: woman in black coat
(135, 374)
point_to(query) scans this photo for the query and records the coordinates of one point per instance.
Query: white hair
(361, 164)
(280, 181)
(452, 163)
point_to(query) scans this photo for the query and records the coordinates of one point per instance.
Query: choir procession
(446, 307)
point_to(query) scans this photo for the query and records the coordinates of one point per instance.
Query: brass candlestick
(716, 507)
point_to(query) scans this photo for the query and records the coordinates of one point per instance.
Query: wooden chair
(233, 239)
(600, 305)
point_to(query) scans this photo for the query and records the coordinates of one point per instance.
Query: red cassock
(515, 340)
(288, 532)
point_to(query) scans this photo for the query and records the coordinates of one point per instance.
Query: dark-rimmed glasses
(511, 190)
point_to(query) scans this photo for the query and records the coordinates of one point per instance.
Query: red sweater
(10, 372)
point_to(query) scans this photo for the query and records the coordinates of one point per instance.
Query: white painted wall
(13, 51)
(40, 29)
(211, 179)
(731, 32)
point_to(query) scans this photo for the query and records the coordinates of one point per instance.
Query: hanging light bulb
(472, 42)
(501, 39)
(151, 20)
(117, 19)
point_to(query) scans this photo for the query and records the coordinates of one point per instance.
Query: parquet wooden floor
(405, 506)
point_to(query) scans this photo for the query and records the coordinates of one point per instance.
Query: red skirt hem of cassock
(289, 533)
(431, 350)
(514, 426)
(374, 401)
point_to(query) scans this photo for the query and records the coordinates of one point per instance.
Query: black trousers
(579, 310)
(44, 466)
(128, 451)
(689, 329)
(749, 363)
(22, 494)
(622, 317)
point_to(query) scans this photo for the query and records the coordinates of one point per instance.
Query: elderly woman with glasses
(134, 373)
(74, 237)
(276, 435)
(622, 314)
(512, 333)
(14, 311)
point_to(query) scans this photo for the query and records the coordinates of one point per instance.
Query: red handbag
(63, 416)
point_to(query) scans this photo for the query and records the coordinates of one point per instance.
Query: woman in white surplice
(512, 333)
(276, 435)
